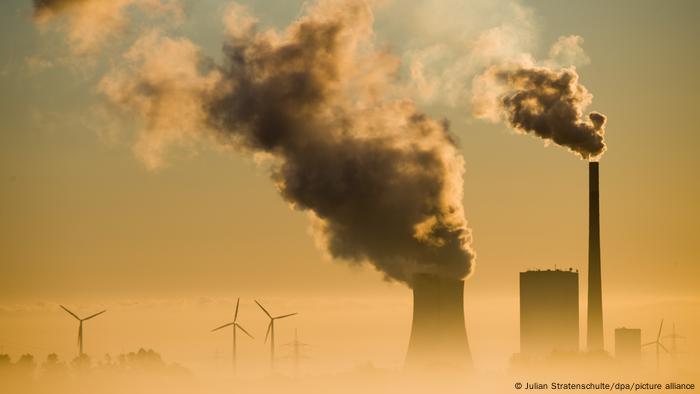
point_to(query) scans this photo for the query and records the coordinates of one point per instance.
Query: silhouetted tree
(144, 359)
(81, 363)
(24, 367)
(134, 370)
(5, 366)
(54, 370)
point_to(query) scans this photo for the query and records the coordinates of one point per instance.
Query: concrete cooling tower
(438, 335)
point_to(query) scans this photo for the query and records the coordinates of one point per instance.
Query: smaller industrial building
(628, 344)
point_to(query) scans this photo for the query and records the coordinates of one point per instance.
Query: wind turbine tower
(658, 344)
(271, 332)
(234, 327)
(80, 327)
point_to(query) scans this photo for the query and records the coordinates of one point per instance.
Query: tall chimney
(595, 296)
(438, 334)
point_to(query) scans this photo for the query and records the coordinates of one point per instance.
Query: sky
(85, 222)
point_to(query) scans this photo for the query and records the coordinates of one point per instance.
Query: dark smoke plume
(544, 102)
(54, 5)
(381, 180)
(90, 23)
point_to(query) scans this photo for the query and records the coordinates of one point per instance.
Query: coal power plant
(595, 293)
(549, 308)
(438, 335)
(549, 312)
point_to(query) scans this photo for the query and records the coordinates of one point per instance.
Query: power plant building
(628, 344)
(549, 312)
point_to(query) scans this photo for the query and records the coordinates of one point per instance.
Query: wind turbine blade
(72, 314)
(264, 310)
(224, 326)
(235, 315)
(672, 337)
(246, 332)
(267, 334)
(96, 314)
(283, 316)
(664, 347)
(649, 343)
(660, 327)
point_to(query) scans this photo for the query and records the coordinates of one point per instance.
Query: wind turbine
(235, 326)
(80, 327)
(271, 332)
(658, 344)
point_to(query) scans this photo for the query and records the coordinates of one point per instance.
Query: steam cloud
(382, 181)
(546, 102)
(90, 22)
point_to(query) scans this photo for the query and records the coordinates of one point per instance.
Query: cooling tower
(438, 335)
(595, 296)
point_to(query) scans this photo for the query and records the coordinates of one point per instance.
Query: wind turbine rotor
(283, 316)
(71, 313)
(224, 326)
(235, 315)
(244, 330)
(264, 310)
(96, 314)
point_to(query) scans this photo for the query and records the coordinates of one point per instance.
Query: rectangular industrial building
(549, 312)
(628, 344)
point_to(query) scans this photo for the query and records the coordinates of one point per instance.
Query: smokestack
(438, 336)
(595, 297)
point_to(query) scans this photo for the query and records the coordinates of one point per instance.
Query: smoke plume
(546, 102)
(89, 23)
(381, 180)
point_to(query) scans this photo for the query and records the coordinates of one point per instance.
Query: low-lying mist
(145, 371)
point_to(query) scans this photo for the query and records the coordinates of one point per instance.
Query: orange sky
(84, 223)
